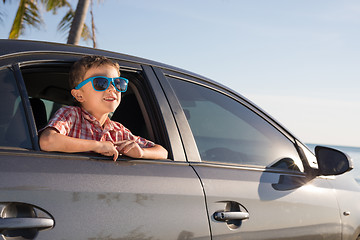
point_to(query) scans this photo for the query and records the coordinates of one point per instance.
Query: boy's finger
(116, 155)
(128, 146)
(120, 145)
(125, 146)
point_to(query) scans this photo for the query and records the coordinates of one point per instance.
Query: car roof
(11, 47)
(15, 47)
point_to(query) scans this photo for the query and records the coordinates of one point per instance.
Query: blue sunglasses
(101, 83)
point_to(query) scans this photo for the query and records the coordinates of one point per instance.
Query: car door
(257, 185)
(86, 196)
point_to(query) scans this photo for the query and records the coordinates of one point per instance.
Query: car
(233, 172)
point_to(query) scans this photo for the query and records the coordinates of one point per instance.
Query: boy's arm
(132, 149)
(51, 140)
(155, 152)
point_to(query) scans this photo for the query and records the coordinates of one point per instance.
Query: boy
(96, 85)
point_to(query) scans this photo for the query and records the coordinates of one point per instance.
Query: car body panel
(306, 211)
(96, 199)
(347, 192)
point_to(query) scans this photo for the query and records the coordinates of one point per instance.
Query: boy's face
(95, 102)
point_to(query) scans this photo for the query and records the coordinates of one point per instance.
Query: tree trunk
(93, 35)
(78, 22)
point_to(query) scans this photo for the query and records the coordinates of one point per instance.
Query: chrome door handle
(24, 223)
(225, 216)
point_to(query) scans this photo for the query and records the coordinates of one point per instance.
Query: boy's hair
(80, 67)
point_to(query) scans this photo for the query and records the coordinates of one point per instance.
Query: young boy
(96, 85)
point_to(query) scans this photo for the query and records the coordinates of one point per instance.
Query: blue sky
(299, 60)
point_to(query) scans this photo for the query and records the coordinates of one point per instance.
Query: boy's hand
(129, 148)
(107, 148)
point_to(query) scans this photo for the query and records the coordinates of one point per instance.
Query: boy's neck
(100, 117)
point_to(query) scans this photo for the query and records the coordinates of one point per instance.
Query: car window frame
(169, 137)
(187, 138)
(26, 105)
(185, 129)
(19, 86)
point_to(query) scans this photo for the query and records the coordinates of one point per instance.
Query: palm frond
(93, 27)
(54, 5)
(32, 14)
(1, 16)
(65, 25)
(2, 12)
(27, 14)
(86, 33)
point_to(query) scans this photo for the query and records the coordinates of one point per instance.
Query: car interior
(48, 90)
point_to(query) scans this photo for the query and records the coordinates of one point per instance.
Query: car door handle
(23, 223)
(225, 216)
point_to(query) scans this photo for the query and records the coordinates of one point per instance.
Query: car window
(226, 131)
(48, 89)
(14, 130)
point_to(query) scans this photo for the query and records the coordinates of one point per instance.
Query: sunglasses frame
(110, 80)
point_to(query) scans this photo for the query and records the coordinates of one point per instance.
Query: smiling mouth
(110, 99)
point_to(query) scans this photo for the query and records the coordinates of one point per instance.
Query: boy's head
(79, 68)
(98, 102)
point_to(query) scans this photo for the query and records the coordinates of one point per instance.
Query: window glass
(13, 125)
(227, 131)
(49, 105)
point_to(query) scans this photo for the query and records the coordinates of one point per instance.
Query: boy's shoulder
(65, 116)
(67, 111)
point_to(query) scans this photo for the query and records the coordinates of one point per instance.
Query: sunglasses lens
(100, 84)
(121, 84)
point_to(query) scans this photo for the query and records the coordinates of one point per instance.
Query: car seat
(39, 112)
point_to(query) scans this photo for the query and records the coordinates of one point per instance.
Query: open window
(14, 130)
(48, 90)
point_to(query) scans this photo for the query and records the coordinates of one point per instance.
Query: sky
(299, 60)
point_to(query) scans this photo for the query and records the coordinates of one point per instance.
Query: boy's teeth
(110, 98)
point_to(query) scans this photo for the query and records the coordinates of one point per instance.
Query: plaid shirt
(78, 123)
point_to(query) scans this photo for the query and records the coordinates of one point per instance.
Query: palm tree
(82, 30)
(78, 21)
(28, 14)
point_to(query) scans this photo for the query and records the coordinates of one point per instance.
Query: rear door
(84, 196)
(255, 181)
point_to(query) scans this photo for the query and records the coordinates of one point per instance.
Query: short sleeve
(64, 119)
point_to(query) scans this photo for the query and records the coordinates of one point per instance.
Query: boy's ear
(77, 94)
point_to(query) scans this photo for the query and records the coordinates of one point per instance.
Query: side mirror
(332, 161)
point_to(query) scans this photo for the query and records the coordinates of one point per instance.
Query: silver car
(233, 172)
